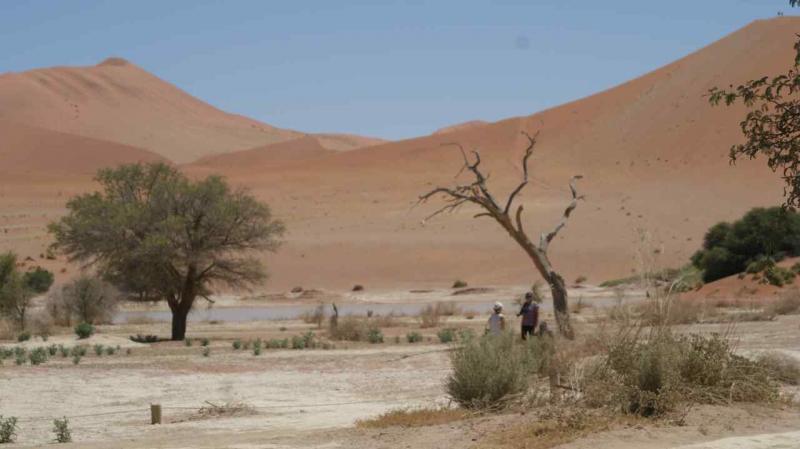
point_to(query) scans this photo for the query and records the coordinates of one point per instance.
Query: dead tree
(478, 193)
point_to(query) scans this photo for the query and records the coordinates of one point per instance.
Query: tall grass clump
(488, 371)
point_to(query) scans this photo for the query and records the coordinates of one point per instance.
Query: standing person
(497, 322)
(530, 316)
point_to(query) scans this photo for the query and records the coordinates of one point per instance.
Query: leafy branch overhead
(772, 124)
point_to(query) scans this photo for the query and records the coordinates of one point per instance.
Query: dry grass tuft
(554, 426)
(435, 314)
(225, 410)
(414, 417)
(781, 367)
(788, 303)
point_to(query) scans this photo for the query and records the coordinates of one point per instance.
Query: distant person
(497, 322)
(530, 316)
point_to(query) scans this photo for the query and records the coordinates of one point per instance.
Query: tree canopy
(729, 248)
(152, 228)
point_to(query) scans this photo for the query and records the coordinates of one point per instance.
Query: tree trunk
(560, 305)
(179, 316)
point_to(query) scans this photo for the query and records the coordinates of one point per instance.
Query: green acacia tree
(15, 294)
(772, 125)
(176, 237)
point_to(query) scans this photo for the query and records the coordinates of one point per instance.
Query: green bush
(488, 370)
(84, 330)
(23, 336)
(38, 356)
(110, 350)
(63, 350)
(8, 429)
(237, 344)
(38, 280)
(257, 347)
(446, 335)
(298, 342)
(374, 335)
(730, 248)
(61, 430)
(459, 284)
(76, 359)
(413, 337)
(205, 342)
(206, 351)
(52, 350)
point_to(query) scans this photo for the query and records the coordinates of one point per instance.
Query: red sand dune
(460, 126)
(301, 149)
(653, 153)
(26, 150)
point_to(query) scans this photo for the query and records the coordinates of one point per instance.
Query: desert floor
(313, 398)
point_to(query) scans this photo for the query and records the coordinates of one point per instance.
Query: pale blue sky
(401, 69)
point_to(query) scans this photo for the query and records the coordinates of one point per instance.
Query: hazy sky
(396, 70)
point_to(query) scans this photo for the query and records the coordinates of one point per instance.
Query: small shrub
(778, 276)
(76, 359)
(459, 284)
(8, 429)
(358, 288)
(63, 350)
(237, 344)
(581, 279)
(205, 342)
(187, 342)
(429, 316)
(23, 336)
(413, 337)
(98, 350)
(20, 360)
(61, 430)
(110, 350)
(414, 417)
(447, 335)
(38, 356)
(298, 342)
(257, 347)
(84, 330)
(317, 316)
(206, 351)
(374, 335)
(787, 303)
(781, 367)
(488, 370)
(52, 350)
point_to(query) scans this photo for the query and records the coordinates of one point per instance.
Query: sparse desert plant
(257, 347)
(187, 342)
(228, 409)
(489, 370)
(61, 430)
(413, 337)
(787, 303)
(84, 330)
(781, 367)
(23, 336)
(8, 429)
(206, 351)
(76, 359)
(98, 350)
(581, 279)
(110, 350)
(89, 299)
(237, 344)
(20, 359)
(447, 335)
(63, 350)
(52, 350)
(38, 356)
(317, 316)
(430, 316)
(459, 284)
(374, 335)
(205, 342)
(358, 288)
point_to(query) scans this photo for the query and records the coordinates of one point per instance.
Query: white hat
(498, 306)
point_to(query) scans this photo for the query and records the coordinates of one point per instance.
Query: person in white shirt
(497, 322)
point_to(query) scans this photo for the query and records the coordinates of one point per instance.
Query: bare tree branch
(528, 153)
(545, 239)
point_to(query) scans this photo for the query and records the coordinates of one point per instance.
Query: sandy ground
(312, 398)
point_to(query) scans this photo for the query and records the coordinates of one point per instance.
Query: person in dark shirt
(530, 316)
